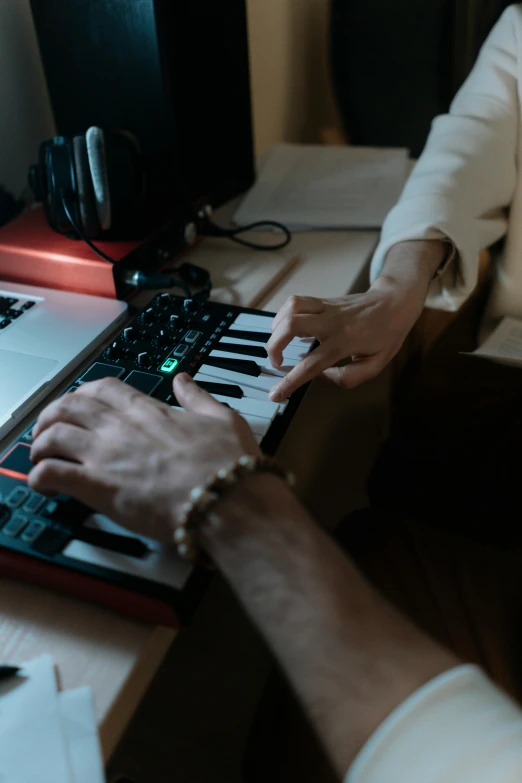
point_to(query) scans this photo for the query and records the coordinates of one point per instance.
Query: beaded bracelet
(204, 498)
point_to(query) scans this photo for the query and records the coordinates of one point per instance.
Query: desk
(117, 657)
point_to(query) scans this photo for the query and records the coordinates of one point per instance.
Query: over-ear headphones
(92, 184)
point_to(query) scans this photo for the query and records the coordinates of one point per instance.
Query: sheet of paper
(314, 187)
(504, 346)
(81, 734)
(33, 746)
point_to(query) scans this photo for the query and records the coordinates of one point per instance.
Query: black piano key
(122, 545)
(248, 350)
(242, 366)
(6, 303)
(255, 337)
(225, 389)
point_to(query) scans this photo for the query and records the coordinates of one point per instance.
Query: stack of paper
(310, 187)
(47, 736)
(504, 345)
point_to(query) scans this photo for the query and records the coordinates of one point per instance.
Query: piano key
(248, 391)
(296, 341)
(246, 320)
(251, 407)
(262, 382)
(251, 335)
(243, 347)
(264, 365)
(222, 388)
(293, 351)
(239, 366)
(257, 425)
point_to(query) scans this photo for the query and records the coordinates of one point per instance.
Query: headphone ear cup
(85, 191)
(97, 156)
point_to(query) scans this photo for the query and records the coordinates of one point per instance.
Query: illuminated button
(180, 351)
(192, 337)
(34, 530)
(17, 497)
(169, 365)
(16, 525)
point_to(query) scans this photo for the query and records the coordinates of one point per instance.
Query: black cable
(210, 229)
(139, 279)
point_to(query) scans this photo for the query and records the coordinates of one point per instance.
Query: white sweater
(457, 729)
(465, 186)
(460, 728)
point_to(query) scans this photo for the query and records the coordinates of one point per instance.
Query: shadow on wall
(25, 113)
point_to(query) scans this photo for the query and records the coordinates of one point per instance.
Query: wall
(292, 96)
(25, 114)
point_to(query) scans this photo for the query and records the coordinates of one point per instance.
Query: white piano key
(257, 425)
(291, 351)
(250, 393)
(262, 382)
(250, 407)
(246, 320)
(264, 364)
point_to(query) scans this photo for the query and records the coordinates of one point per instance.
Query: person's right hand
(369, 328)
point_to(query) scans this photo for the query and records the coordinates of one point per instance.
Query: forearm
(412, 263)
(350, 657)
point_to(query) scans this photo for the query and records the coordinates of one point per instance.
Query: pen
(8, 671)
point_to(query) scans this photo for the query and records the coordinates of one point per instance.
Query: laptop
(44, 334)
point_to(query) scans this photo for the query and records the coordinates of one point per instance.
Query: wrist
(253, 503)
(412, 265)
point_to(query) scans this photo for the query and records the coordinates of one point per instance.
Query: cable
(210, 229)
(134, 278)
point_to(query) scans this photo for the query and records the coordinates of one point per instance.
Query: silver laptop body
(44, 334)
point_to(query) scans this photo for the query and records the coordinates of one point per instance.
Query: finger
(61, 441)
(308, 368)
(352, 375)
(72, 409)
(298, 305)
(288, 328)
(112, 393)
(54, 476)
(194, 399)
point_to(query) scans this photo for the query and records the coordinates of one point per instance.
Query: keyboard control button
(5, 513)
(15, 526)
(131, 334)
(143, 381)
(180, 351)
(192, 337)
(34, 530)
(144, 359)
(34, 503)
(99, 371)
(50, 508)
(17, 496)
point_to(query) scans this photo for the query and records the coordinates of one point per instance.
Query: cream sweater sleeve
(459, 728)
(464, 181)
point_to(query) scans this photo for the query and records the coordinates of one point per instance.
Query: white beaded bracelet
(204, 498)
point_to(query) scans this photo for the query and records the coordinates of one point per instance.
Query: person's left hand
(133, 458)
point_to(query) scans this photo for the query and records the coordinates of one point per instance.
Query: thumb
(356, 373)
(194, 399)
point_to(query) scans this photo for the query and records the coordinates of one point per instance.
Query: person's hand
(133, 458)
(369, 328)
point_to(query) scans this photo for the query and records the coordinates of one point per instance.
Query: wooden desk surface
(118, 657)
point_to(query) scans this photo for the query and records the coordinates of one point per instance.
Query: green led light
(169, 365)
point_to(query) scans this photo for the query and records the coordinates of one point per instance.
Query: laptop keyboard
(12, 308)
